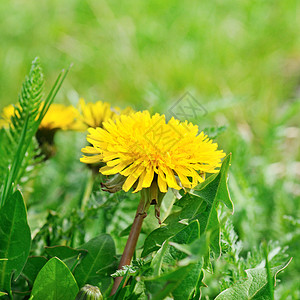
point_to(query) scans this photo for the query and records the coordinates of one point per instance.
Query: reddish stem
(131, 243)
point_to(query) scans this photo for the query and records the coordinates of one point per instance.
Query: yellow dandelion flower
(6, 115)
(59, 116)
(94, 114)
(146, 149)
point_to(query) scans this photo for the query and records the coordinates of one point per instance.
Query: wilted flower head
(94, 114)
(144, 149)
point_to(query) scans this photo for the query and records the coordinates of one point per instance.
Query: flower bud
(89, 292)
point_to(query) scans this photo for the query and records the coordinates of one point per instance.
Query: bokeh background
(239, 59)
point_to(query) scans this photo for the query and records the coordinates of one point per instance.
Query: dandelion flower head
(94, 114)
(58, 116)
(144, 148)
(6, 115)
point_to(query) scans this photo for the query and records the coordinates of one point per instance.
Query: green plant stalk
(87, 191)
(136, 227)
(24, 143)
(269, 275)
(12, 173)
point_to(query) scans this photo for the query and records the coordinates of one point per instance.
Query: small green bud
(89, 292)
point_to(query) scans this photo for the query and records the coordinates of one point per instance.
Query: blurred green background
(239, 59)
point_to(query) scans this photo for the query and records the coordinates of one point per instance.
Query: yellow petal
(91, 159)
(113, 170)
(184, 180)
(162, 183)
(90, 150)
(129, 182)
(148, 177)
(170, 178)
(140, 184)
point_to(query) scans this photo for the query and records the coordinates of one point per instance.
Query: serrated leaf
(32, 267)
(161, 286)
(188, 284)
(185, 237)
(197, 290)
(217, 192)
(196, 251)
(170, 255)
(157, 260)
(15, 239)
(192, 207)
(54, 282)
(97, 262)
(255, 287)
(201, 204)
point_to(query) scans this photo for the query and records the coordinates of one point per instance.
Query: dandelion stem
(136, 227)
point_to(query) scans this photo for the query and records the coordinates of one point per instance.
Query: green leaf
(97, 262)
(186, 236)
(32, 267)
(215, 189)
(2, 294)
(120, 292)
(255, 287)
(71, 257)
(18, 145)
(15, 240)
(158, 258)
(201, 204)
(196, 251)
(197, 288)
(126, 231)
(173, 224)
(188, 284)
(64, 252)
(168, 256)
(160, 287)
(54, 282)
(174, 253)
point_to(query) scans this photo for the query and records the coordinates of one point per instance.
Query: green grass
(239, 59)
